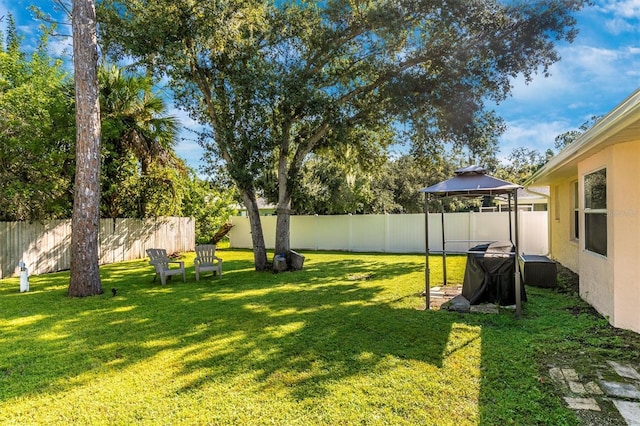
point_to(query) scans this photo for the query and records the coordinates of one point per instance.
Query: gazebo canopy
(471, 181)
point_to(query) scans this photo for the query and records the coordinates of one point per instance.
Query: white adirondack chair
(206, 260)
(159, 259)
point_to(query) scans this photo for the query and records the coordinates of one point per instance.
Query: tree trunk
(85, 221)
(283, 210)
(257, 237)
(283, 227)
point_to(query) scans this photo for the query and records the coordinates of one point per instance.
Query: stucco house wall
(596, 271)
(611, 282)
(562, 246)
(624, 219)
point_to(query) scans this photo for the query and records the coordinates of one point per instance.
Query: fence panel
(488, 226)
(45, 246)
(269, 230)
(534, 232)
(333, 232)
(457, 232)
(368, 233)
(304, 233)
(399, 233)
(403, 235)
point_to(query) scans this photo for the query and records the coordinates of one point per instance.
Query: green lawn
(342, 342)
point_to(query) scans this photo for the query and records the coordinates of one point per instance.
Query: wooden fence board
(45, 246)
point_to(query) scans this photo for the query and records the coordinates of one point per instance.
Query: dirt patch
(360, 277)
(582, 309)
(568, 281)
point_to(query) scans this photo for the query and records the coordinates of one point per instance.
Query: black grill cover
(490, 278)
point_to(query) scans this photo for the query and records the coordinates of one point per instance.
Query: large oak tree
(277, 80)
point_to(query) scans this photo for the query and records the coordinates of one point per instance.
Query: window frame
(595, 211)
(575, 212)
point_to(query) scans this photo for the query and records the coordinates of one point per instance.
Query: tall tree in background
(36, 131)
(277, 81)
(141, 175)
(566, 138)
(85, 220)
(521, 164)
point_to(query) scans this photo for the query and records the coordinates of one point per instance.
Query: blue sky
(597, 72)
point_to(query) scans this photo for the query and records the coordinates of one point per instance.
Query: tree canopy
(141, 175)
(36, 131)
(138, 139)
(277, 81)
(564, 139)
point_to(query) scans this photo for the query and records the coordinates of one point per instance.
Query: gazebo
(471, 181)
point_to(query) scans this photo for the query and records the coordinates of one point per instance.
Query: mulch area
(568, 281)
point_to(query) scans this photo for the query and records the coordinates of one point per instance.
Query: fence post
(387, 236)
(316, 231)
(471, 235)
(350, 248)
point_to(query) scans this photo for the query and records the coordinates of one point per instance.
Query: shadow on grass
(337, 323)
(301, 334)
(307, 341)
(303, 330)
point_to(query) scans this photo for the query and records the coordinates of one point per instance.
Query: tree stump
(279, 263)
(296, 260)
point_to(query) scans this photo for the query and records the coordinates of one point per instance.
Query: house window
(595, 212)
(575, 218)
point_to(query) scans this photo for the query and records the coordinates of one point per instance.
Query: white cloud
(540, 87)
(619, 26)
(187, 147)
(6, 7)
(619, 17)
(533, 134)
(629, 9)
(582, 78)
(189, 150)
(184, 118)
(590, 64)
(28, 26)
(588, 81)
(61, 47)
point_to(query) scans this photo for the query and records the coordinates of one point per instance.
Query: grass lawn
(341, 342)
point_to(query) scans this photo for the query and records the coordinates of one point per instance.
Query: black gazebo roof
(471, 181)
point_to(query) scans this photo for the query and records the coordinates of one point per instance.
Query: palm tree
(137, 132)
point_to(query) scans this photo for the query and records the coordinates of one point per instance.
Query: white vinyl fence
(45, 246)
(399, 233)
